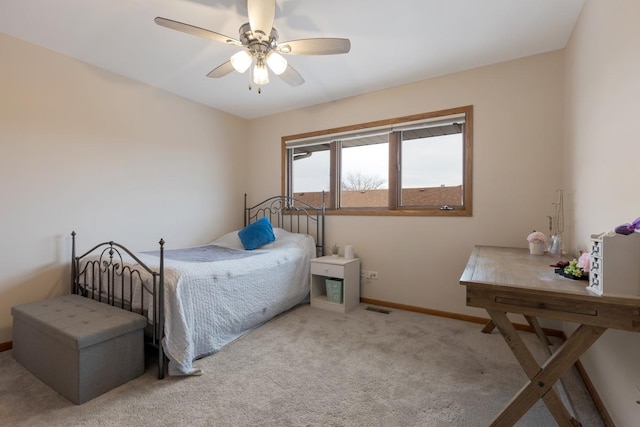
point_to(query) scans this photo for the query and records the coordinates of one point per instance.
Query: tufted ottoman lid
(78, 322)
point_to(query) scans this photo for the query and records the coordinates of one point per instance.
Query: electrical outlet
(366, 274)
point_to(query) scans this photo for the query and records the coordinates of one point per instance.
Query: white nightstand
(335, 267)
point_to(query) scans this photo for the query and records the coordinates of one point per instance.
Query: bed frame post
(73, 262)
(160, 313)
(245, 213)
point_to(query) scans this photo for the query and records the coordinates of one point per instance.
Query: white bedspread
(210, 304)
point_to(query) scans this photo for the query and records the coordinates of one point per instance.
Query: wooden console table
(509, 280)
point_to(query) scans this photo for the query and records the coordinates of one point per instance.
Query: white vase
(536, 248)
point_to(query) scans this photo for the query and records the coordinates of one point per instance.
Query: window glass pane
(364, 173)
(432, 171)
(311, 173)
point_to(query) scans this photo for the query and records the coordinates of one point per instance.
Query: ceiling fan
(261, 47)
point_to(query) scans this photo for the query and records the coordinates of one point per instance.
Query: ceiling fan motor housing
(258, 46)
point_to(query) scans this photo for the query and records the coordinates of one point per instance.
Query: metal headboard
(292, 215)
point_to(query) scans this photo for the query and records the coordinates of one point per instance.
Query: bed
(199, 299)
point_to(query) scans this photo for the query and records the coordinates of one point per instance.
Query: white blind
(377, 130)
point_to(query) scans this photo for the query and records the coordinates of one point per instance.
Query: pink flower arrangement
(584, 262)
(537, 237)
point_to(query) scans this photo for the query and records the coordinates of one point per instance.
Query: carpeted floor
(311, 367)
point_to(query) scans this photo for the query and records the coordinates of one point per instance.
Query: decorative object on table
(614, 260)
(584, 261)
(537, 242)
(627, 228)
(349, 253)
(335, 250)
(556, 225)
(560, 264)
(577, 269)
(555, 248)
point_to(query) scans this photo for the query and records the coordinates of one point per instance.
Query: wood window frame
(394, 208)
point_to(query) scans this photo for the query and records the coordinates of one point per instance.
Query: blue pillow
(257, 234)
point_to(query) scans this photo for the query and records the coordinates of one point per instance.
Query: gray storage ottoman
(80, 347)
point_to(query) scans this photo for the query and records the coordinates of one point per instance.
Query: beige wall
(601, 161)
(86, 150)
(517, 170)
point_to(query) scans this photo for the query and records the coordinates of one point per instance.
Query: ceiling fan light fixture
(241, 61)
(276, 62)
(260, 74)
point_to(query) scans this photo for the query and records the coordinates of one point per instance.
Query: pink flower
(584, 262)
(537, 237)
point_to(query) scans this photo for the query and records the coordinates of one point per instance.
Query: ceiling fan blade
(320, 46)
(221, 70)
(291, 77)
(196, 31)
(261, 16)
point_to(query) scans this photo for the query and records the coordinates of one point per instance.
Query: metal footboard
(102, 274)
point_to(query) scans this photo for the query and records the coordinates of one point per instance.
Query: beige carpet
(311, 367)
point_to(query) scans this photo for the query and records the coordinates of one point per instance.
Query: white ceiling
(392, 42)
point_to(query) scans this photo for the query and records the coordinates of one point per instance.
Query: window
(414, 165)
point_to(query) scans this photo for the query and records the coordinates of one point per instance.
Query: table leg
(488, 328)
(547, 346)
(533, 322)
(542, 379)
